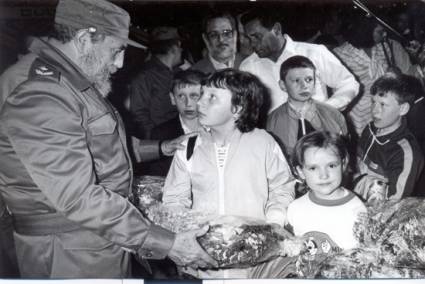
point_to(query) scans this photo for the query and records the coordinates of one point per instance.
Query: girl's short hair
(247, 92)
(319, 139)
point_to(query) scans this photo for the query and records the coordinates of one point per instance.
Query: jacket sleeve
(334, 74)
(44, 124)
(145, 150)
(281, 185)
(177, 188)
(404, 168)
(140, 102)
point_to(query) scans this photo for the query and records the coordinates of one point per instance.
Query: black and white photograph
(182, 141)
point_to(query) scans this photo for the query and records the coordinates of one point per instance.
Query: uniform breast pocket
(102, 125)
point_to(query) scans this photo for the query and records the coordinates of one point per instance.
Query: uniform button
(149, 254)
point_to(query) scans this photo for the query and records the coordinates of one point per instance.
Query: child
(328, 211)
(387, 149)
(185, 93)
(301, 114)
(225, 175)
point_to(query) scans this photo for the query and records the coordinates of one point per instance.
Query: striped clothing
(367, 70)
(395, 157)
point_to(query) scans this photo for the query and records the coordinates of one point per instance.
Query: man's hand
(169, 147)
(186, 250)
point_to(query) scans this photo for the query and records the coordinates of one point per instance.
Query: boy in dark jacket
(388, 151)
(185, 93)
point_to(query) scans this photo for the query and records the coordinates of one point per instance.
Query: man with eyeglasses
(272, 47)
(220, 37)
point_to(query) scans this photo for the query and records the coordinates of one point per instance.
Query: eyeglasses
(215, 35)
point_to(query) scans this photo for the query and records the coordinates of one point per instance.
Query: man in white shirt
(272, 47)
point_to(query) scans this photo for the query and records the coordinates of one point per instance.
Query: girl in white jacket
(235, 168)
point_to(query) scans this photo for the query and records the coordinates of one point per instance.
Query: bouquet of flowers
(232, 241)
(244, 242)
(147, 191)
(397, 229)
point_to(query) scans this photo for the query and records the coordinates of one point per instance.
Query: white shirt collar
(218, 65)
(186, 128)
(288, 51)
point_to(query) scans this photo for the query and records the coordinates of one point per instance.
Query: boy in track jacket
(387, 149)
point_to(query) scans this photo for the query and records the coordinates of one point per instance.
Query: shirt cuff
(158, 243)
(276, 216)
(338, 102)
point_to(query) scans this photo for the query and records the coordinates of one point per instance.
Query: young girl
(235, 168)
(327, 209)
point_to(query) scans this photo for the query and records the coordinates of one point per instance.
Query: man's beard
(99, 75)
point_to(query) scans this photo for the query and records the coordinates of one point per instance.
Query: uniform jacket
(205, 65)
(63, 149)
(395, 157)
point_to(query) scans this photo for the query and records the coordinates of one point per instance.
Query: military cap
(97, 15)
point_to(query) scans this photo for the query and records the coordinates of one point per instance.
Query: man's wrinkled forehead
(219, 21)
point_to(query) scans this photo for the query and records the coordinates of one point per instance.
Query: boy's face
(214, 107)
(386, 110)
(185, 99)
(299, 84)
(322, 171)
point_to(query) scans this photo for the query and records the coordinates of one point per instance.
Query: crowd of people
(299, 135)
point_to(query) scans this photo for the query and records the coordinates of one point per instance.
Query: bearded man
(66, 172)
(220, 38)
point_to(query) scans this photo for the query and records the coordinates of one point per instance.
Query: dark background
(300, 18)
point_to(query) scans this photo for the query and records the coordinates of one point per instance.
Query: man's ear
(207, 43)
(282, 85)
(173, 100)
(83, 41)
(277, 29)
(404, 108)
